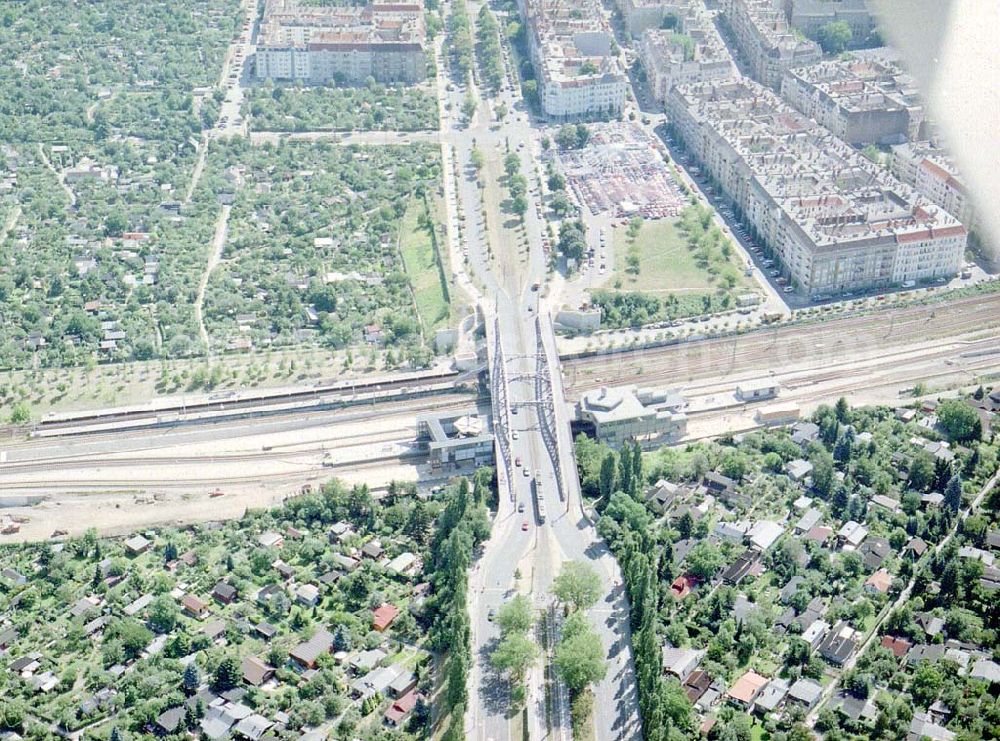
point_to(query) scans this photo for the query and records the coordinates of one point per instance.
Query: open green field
(667, 263)
(669, 269)
(416, 244)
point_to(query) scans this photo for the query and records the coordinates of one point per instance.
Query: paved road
(538, 551)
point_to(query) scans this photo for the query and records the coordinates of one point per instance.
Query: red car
(524, 526)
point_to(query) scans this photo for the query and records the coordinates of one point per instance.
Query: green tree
(191, 679)
(468, 106)
(843, 411)
(926, 684)
(953, 493)
(132, 634)
(606, 478)
(20, 414)
(163, 614)
(834, 37)
(515, 616)
(959, 420)
(227, 674)
(577, 585)
(580, 659)
(511, 164)
(921, 471)
(823, 474)
(514, 654)
(704, 560)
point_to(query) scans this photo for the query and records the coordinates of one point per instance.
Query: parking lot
(621, 171)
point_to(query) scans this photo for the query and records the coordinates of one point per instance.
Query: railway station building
(617, 415)
(456, 438)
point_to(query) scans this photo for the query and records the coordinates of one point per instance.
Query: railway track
(785, 345)
(133, 486)
(247, 401)
(309, 417)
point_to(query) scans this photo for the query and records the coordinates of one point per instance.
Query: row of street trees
(462, 525)
(488, 49)
(579, 658)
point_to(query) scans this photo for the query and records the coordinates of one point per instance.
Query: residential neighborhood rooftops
(747, 687)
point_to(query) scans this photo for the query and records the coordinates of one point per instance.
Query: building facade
(836, 221)
(571, 44)
(640, 16)
(691, 52)
(763, 36)
(809, 16)
(343, 44)
(862, 101)
(933, 173)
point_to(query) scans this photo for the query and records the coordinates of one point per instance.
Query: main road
(507, 262)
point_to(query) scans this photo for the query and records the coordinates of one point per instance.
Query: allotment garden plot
(61, 61)
(101, 110)
(313, 247)
(371, 108)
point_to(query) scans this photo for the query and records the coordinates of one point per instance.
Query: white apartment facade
(933, 174)
(834, 220)
(342, 44)
(765, 39)
(693, 52)
(571, 50)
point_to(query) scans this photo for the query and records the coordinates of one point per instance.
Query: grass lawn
(757, 733)
(420, 261)
(658, 275)
(666, 264)
(582, 716)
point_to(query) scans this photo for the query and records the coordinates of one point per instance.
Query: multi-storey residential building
(345, 44)
(835, 220)
(692, 52)
(571, 49)
(932, 172)
(765, 39)
(862, 101)
(809, 16)
(644, 15)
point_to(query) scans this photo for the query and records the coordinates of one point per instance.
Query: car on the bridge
(517, 461)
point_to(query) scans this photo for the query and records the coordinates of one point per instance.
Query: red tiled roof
(383, 616)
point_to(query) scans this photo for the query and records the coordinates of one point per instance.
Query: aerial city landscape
(459, 369)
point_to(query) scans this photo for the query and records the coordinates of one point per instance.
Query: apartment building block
(640, 16)
(571, 46)
(933, 173)
(691, 52)
(862, 101)
(343, 44)
(764, 37)
(836, 221)
(809, 16)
